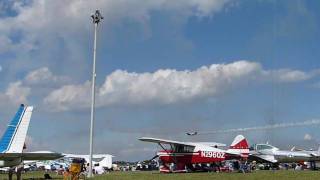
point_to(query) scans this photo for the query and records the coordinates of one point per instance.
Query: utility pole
(96, 18)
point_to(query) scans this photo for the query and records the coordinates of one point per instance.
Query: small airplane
(180, 156)
(270, 154)
(103, 160)
(314, 154)
(13, 140)
(192, 133)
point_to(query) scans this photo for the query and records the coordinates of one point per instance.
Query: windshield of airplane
(264, 146)
(183, 148)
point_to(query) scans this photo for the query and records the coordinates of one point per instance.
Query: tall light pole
(96, 18)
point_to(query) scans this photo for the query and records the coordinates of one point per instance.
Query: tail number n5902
(211, 154)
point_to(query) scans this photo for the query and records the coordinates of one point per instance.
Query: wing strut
(163, 148)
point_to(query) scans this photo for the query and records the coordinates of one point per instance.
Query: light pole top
(96, 17)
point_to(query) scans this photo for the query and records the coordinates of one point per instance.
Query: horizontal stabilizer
(31, 156)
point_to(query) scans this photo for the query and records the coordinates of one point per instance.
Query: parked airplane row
(181, 156)
(12, 146)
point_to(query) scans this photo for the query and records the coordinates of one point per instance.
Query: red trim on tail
(243, 144)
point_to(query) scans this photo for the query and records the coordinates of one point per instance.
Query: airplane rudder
(239, 142)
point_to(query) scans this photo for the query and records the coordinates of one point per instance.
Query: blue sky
(164, 68)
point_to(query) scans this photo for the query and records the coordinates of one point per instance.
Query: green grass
(31, 175)
(258, 175)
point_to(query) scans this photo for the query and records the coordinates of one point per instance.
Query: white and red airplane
(180, 156)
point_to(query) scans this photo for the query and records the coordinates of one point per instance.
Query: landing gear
(313, 165)
(276, 166)
(173, 168)
(17, 170)
(10, 173)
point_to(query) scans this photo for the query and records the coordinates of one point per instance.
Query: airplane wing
(165, 141)
(212, 144)
(97, 156)
(31, 156)
(262, 157)
(314, 155)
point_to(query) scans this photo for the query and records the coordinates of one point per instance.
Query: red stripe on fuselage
(193, 157)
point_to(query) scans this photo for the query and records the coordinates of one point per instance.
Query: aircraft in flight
(12, 143)
(271, 154)
(180, 156)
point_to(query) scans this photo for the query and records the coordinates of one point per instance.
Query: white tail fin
(106, 162)
(14, 137)
(239, 146)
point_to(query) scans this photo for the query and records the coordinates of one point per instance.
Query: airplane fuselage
(10, 163)
(290, 156)
(192, 157)
(201, 155)
(268, 153)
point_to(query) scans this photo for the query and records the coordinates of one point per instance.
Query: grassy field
(258, 175)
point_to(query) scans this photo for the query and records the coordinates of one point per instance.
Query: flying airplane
(192, 133)
(180, 156)
(13, 140)
(270, 154)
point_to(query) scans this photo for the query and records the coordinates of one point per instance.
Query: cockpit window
(182, 148)
(263, 147)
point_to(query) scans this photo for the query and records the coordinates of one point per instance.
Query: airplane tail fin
(15, 135)
(239, 146)
(106, 162)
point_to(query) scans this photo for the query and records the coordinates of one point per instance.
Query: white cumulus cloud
(170, 86)
(70, 97)
(289, 75)
(43, 76)
(16, 93)
(164, 86)
(167, 86)
(35, 81)
(64, 18)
